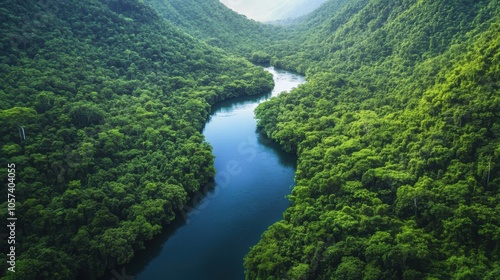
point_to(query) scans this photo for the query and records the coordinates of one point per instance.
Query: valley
(392, 145)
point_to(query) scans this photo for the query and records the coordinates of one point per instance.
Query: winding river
(253, 177)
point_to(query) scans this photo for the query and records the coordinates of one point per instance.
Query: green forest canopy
(112, 100)
(398, 137)
(397, 132)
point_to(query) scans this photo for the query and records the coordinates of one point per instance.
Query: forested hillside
(398, 137)
(101, 108)
(217, 25)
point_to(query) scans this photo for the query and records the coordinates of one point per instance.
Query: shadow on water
(154, 246)
(143, 257)
(230, 105)
(285, 158)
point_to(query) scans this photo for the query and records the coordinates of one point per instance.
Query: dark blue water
(253, 177)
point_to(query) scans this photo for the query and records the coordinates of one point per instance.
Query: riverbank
(253, 177)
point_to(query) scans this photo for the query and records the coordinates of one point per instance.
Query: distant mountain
(216, 24)
(295, 8)
(265, 10)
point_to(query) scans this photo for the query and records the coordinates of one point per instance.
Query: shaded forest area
(112, 100)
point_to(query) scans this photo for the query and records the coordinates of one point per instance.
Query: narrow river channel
(253, 177)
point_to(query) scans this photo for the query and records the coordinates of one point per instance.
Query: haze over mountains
(270, 10)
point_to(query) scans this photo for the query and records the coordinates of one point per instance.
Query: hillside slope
(216, 24)
(398, 142)
(101, 108)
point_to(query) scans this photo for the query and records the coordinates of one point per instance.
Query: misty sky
(262, 10)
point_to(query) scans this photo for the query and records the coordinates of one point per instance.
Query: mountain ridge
(266, 11)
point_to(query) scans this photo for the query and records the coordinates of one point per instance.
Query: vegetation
(112, 100)
(397, 132)
(398, 141)
(218, 26)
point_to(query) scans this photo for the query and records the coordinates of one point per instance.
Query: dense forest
(398, 137)
(397, 132)
(215, 24)
(111, 99)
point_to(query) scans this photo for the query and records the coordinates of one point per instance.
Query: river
(253, 178)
